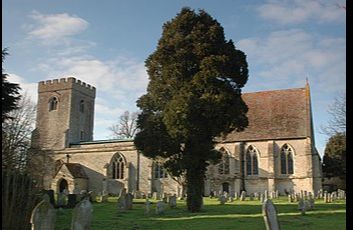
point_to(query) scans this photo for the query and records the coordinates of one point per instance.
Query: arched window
(118, 167)
(223, 167)
(252, 167)
(159, 171)
(53, 103)
(286, 159)
(82, 106)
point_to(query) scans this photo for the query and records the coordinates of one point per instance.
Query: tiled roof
(277, 114)
(76, 170)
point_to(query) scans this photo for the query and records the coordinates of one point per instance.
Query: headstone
(160, 206)
(266, 194)
(262, 198)
(128, 201)
(222, 199)
(243, 196)
(43, 215)
(301, 206)
(173, 201)
(231, 199)
(71, 200)
(61, 200)
(326, 199)
(236, 196)
(251, 196)
(269, 213)
(290, 199)
(121, 202)
(148, 206)
(311, 203)
(82, 215)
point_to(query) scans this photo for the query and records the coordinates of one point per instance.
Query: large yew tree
(193, 96)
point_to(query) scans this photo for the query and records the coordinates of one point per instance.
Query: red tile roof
(277, 114)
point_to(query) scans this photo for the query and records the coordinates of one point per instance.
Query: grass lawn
(237, 215)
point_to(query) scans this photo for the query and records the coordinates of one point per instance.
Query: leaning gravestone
(82, 215)
(269, 213)
(243, 196)
(43, 215)
(160, 206)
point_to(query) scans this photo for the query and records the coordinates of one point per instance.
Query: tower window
(82, 106)
(53, 103)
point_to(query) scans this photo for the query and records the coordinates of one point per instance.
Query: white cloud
(26, 87)
(299, 11)
(54, 27)
(288, 56)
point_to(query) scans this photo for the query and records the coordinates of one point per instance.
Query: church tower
(65, 113)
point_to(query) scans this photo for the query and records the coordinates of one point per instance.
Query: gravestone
(71, 200)
(236, 196)
(243, 196)
(61, 200)
(231, 199)
(311, 203)
(266, 194)
(173, 201)
(147, 206)
(251, 196)
(82, 215)
(43, 215)
(262, 198)
(269, 213)
(290, 199)
(128, 201)
(121, 202)
(160, 207)
(222, 199)
(301, 206)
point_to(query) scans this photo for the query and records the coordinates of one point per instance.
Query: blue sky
(105, 44)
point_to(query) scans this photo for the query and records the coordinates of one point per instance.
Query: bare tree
(337, 122)
(16, 135)
(126, 128)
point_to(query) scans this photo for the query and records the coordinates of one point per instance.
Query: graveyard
(246, 214)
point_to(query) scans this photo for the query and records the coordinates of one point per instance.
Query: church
(275, 152)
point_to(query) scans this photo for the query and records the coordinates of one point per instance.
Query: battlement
(66, 83)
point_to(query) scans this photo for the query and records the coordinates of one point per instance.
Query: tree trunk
(195, 187)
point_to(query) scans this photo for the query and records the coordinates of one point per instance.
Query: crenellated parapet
(66, 83)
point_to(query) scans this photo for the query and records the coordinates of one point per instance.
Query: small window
(53, 103)
(159, 171)
(82, 106)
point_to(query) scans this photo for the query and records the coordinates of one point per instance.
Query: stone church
(275, 152)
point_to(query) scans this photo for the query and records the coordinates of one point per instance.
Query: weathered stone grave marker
(160, 207)
(82, 215)
(173, 201)
(269, 213)
(43, 215)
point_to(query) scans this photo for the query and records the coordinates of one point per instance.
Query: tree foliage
(9, 92)
(16, 134)
(334, 162)
(193, 96)
(126, 128)
(337, 112)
